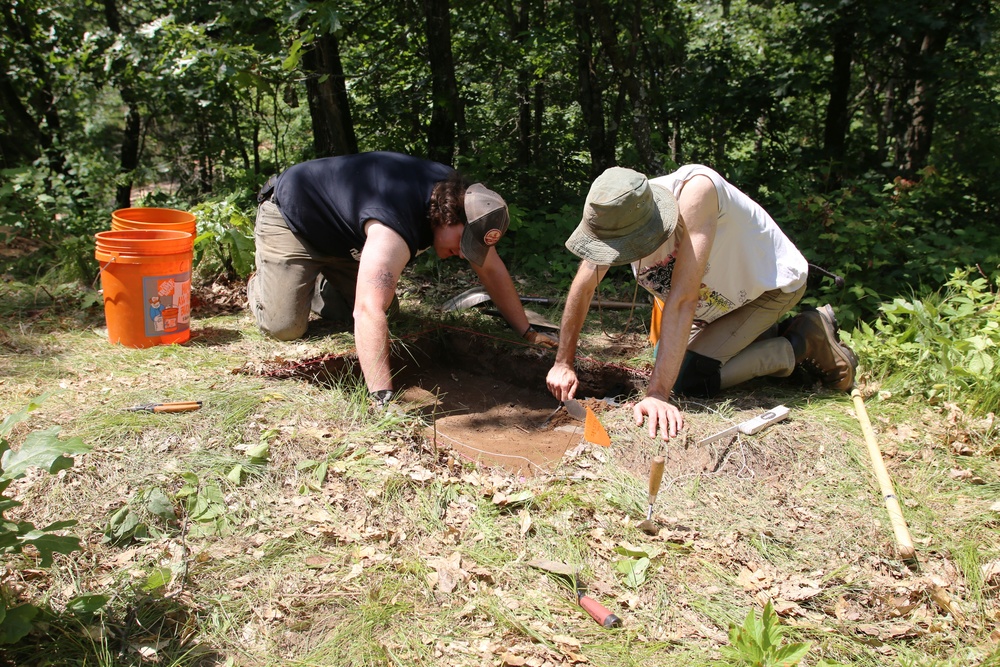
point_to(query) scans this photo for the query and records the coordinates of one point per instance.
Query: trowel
(655, 477)
(750, 426)
(571, 575)
(593, 430)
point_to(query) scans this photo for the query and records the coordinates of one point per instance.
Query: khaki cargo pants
(294, 279)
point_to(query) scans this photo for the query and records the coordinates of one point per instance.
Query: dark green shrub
(40, 449)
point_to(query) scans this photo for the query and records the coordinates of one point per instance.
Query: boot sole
(845, 353)
(828, 311)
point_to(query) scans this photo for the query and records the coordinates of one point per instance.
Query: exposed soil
(485, 397)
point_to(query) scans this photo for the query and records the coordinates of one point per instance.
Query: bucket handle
(93, 285)
(112, 255)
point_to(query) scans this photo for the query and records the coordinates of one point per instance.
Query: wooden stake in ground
(903, 541)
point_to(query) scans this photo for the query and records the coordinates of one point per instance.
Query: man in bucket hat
(334, 234)
(725, 274)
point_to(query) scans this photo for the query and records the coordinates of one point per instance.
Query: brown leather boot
(813, 335)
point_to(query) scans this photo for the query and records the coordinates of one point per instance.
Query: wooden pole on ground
(903, 541)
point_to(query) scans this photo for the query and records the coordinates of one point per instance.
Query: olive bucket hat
(625, 218)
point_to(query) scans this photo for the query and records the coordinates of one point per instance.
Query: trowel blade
(467, 299)
(537, 320)
(575, 409)
(555, 567)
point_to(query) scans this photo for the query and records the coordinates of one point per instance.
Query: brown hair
(448, 202)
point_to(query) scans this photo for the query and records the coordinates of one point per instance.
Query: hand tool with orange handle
(597, 611)
(179, 406)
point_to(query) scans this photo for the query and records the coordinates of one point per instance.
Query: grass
(357, 542)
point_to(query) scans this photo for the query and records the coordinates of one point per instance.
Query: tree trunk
(329, 106)
(241, 146)
(837, 114)
(538, 94)
(664, 57)
(130, 149)
(538, 116)
(923, 105)
(21, 137)
(40, 105)
(602, 152)
(523, 95)
(446, 111)
(129, 158)
(624, 61)
(517, 21)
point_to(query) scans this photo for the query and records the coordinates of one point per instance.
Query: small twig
(317, 596)
(127, 630)
(184, 552)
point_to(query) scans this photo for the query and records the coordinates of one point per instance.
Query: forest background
(868, 130)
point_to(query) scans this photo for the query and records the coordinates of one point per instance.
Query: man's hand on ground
(658, 414)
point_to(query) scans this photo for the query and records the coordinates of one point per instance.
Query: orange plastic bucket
(154, 218)
(146, 279)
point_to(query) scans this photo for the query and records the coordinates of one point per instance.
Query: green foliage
(884, 238)
(84, 606)
(41, 207)
(758, 643)
(44, 450)
(534, 246)
(16, 622)
(225, 240)
(257, 454)
(635, 564)
(943, 346)
(205, 506)
(137, 520)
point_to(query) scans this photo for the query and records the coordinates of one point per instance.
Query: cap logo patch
(492, 237)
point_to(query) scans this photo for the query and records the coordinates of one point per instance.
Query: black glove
(381, 398)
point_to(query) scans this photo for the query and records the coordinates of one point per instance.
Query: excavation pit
(484, 397)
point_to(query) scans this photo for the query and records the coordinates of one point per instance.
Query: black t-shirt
(328, 201)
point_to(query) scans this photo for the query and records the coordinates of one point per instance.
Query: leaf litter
(790, 515)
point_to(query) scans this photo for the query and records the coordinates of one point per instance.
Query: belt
(267, 192)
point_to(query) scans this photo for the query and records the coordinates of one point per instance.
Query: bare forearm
(581, 292)
(497, 281)
(675, 330)
(371, 336)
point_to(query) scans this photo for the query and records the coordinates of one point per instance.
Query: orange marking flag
(593, 430)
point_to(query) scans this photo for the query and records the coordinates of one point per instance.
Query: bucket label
(168, 303)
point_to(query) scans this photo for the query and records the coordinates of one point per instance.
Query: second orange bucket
(150, 218)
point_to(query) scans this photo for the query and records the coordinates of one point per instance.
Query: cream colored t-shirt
(750, 254)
